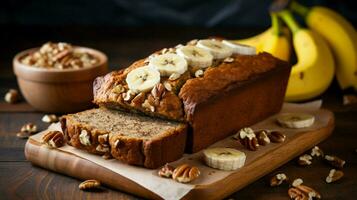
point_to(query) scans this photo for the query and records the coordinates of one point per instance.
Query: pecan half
(185, 173)
(297, 194)
(262, 137)
(334, 175)
(53, 139)
(103, 139)
(158, 91)
(89, 184)
(138, 99)
(276, 137)
(310, 192)
(335, 161)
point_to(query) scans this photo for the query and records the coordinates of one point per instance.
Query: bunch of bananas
(327, 47)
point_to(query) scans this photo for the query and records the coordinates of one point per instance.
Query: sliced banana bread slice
(131, 138)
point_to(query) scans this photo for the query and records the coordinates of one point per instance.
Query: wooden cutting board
(268, 160)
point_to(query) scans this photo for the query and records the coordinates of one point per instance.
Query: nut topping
(102, 148)
(53, 139)
(138, 99)
(148, 106)
(174, 76)
(247, 139)
(118, 89)
(129, 95)
(89, 184)
(103, 139)
(228, 60)
(158, 91)
(316, 151)
(84, 138)
(305, 160)
(50, 118)
(335, 161)
(276, 137)
(12, 96)
(168, 86)
(262, 137)
(199, 73)
(334, 175)
(166, 171)
(278, 179)
(185, 173)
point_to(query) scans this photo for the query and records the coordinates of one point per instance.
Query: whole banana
(340, 36)
(314, 71)
(275, 40)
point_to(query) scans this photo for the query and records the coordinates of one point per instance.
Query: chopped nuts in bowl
(58, 77)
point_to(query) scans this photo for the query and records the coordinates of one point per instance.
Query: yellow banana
(341, 37)
(314, 71)
(257, 40)
(277, 42)
(274, 40)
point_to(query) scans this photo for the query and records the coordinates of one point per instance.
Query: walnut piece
(51, 118)
(12, 96)
(53, 139)
(316, 151)
(278, 179)
(166, 171)
(305, 160)
(29, 128)
(89, 184)
(185, 173)
(248, 139)
(84, 138)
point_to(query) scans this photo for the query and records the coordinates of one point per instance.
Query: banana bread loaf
(216, 87)
(131, 138)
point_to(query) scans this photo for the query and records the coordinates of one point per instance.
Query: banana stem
(299, 9)
(289, 20)
(275, 24)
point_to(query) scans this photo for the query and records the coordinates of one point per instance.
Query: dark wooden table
(21, 180)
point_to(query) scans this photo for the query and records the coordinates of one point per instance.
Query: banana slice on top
(224, 158)
(196, 56)
(295, 120)
(216, 48)
(142, 79)
(168, 64)
(240, 48)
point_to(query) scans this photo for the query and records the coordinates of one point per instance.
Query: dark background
(135, 13)
(127, 30)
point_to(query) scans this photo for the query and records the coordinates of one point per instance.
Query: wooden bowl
(59, 90)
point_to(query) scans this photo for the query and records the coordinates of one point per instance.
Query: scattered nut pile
(299, 191)
(59, 56)
(252, 140)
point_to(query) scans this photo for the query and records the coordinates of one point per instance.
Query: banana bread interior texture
(132, 138)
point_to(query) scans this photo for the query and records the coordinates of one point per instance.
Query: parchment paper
(169, 189)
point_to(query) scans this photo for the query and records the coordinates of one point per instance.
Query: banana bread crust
(188, 92)
(148, 152)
